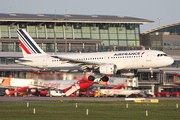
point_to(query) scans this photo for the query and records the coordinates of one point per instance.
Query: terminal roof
(71, 18)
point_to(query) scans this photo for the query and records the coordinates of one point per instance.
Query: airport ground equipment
(58, 93)
(117, 92)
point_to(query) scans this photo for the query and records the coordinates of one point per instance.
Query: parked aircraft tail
(28, 45)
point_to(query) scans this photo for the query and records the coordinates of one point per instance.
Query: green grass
(113, 102)
(66, 110)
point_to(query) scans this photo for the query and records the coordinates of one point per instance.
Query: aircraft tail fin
(29, 47)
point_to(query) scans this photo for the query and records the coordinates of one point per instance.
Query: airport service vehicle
(146, 93)
(175, 94)
(118, 92)
(86, 93)
(162, 94)
(114, 81)
(106, 62)
(58, 93)
(157, 94)
(165, 94)
(44, 92)
(67, 86)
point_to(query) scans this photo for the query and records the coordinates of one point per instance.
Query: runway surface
(5, 99)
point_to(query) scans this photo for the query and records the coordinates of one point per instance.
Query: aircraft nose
(170, 60)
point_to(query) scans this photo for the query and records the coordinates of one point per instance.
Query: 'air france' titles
(135, 53)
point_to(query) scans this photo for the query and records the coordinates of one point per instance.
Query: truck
(58, 93)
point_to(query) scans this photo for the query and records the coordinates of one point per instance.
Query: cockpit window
(159, 55)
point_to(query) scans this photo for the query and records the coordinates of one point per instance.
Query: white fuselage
(135, 59)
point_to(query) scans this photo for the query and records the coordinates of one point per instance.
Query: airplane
(107, 63)
(67, 86)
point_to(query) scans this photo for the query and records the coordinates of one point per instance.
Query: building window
(61, 47)
(95, 33)
(86, 32)
(41, 32)
(104, 34)
(169, 78)
(167, 45)
(77, 34)
(177, 79)
(176, 45)
(68, 32)
(48, 47)
(7, 47)
(90, 48)
(32, 31)
(175, 64)
(2, 60)
(13, 31)
(50, 33)
(18, 47)
(77, 47)
(59, 32)
(114, 42)
(131, 43)
(112, 33)
(122, 43)
(4, 31)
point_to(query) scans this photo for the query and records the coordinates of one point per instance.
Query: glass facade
(121, 35)
(170, 30)
(163, 38)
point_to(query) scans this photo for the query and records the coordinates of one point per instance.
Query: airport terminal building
(81, 33)
(165, 38)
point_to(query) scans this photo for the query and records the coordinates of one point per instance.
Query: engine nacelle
(108, 69)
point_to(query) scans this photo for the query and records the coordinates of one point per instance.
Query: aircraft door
(105, 58)
(148, 57)
(45, 62)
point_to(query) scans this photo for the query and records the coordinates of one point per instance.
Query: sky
(167, 10)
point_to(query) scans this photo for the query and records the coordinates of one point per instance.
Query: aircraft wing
(82, 63)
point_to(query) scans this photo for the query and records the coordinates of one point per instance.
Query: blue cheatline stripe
(30, 48)
(30, 41)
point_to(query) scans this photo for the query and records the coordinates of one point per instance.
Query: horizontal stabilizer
(24, 59)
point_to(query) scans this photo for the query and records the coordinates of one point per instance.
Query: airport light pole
(66, 33)
(55, 47)
(159, 20)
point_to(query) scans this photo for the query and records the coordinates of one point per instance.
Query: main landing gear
(91, 78)
(105, 78)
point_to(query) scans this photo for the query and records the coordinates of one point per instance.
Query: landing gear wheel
(91, 78)
(105, 79)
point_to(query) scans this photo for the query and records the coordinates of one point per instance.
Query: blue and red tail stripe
(24, 48)
(27, 44)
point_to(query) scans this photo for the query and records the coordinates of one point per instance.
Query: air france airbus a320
(106, 62)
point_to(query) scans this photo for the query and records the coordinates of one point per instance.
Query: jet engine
(108, 69)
